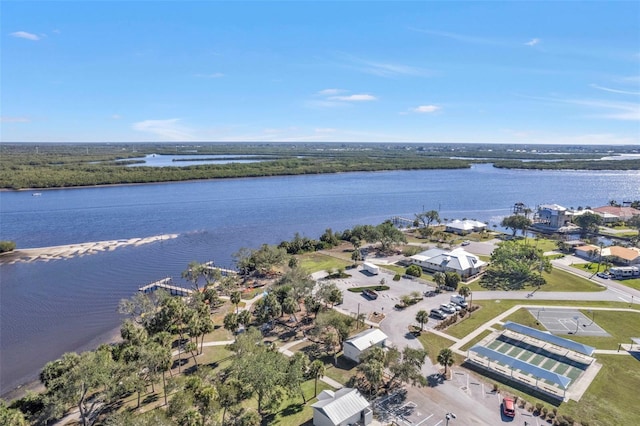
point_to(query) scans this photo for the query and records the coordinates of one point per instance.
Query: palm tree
(464, 291)
(235, 298)
(445, 357)
(439, 278)
(316, 370)
(422, 316)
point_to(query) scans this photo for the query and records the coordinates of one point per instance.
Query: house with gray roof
(458, 260)
(343, 407)
(354, 346)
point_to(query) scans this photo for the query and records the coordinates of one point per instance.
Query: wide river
(48, 308)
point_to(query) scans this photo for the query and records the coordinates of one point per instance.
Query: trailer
(625, 272)
(371, 268)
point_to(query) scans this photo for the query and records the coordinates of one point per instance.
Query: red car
(508, 407)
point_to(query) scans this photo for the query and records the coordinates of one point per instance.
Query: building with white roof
(359, 343)
(464, 227)
(458, 260)
(343, 407)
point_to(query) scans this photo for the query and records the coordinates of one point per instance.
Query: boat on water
(36, 194)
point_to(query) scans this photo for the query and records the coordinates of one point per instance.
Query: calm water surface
(48, 308)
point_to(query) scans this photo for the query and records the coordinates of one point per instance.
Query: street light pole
(449, 416)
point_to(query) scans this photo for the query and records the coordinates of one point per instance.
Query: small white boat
(36, 194)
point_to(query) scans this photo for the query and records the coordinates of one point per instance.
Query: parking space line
(424, 420)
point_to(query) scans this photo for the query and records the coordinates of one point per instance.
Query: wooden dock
(223, 271)
(166, 284)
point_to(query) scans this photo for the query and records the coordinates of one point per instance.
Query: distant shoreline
(46, 254)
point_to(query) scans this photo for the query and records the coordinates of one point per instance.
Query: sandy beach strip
(45, 254)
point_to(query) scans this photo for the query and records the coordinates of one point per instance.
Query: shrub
(6, 246)
(397, 277)
(414, 271)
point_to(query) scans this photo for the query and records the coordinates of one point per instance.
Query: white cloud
(25, 35)
(423, 109)
(532, 42)
(606, 89)
(116, 116)
(391, 70)
(14, 120)
(354, 98)
(166, 130)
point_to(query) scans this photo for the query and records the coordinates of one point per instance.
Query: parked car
(509, 407)
(370, 294)
(459, 300)
(438, 314)
(604, 275)
(457, 308)
(466, 242)
(430, 293)
(447, 309)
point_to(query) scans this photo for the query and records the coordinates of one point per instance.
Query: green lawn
(476, 340)
(292, 411)
(542, 243)
(314, 262)
(434, 343)
(612, 398)
(343, 371)
(557, 280)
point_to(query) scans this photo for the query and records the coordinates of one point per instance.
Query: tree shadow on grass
(150, 398)
(292, 409)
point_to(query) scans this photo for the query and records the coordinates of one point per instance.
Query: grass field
(612, 398)
(434, 343)
(314, 262)
(557, 280)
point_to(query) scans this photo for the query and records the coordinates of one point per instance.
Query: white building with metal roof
(343, 407)
(359, 343)
(458, 260)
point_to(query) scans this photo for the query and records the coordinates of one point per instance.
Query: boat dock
(166, 284)
(223, 271)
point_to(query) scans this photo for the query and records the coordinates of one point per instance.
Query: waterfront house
(343, 407)
(551, 216)
(621, 214)
(464, 227)
(458, 260)
(359, 343)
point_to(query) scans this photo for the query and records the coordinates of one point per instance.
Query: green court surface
(537, 359)
(549, 363)
(561, 369)
(515, 351)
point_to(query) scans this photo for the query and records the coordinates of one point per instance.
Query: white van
(459, 300)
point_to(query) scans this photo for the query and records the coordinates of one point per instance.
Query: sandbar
(46, 254)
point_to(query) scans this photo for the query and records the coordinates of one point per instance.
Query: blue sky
(489, 72)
